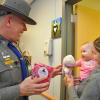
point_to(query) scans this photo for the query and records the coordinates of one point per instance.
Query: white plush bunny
(68, 61)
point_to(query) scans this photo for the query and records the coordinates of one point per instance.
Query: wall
(43, 12)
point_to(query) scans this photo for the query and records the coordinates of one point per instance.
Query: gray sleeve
(90, 92)
(10, 93)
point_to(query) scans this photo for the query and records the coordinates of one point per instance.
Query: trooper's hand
(57, 70)
(31, 87)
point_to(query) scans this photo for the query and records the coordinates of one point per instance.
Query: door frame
(67, 39)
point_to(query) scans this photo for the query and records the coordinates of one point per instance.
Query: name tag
(9, 62)
(7, 56)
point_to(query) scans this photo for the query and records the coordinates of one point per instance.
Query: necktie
(24, 71)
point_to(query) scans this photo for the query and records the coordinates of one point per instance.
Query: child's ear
(92, 52)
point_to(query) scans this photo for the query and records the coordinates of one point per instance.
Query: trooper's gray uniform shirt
(10, 73)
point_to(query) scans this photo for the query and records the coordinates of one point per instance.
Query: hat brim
(28, 20)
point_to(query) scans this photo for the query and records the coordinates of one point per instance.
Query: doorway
(75, 34)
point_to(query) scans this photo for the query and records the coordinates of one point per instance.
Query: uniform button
(12, 67)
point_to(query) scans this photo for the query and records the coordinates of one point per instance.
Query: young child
(87, 61)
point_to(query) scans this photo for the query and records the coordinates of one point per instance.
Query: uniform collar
(3, 41)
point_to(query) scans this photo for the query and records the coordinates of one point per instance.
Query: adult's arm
(10, 93)
(90, 92)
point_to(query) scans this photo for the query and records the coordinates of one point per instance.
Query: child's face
(86, 52)
(96, 55)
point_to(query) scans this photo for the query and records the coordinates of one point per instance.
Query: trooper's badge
(5, 55)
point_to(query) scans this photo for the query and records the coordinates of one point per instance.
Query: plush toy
(68, 61)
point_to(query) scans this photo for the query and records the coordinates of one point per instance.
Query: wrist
(70, 85)
(21, 93)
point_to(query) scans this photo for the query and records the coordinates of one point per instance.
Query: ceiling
(29, 1)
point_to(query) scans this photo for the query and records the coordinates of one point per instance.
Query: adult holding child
(14, 83)
(89, 88)
(87, 61)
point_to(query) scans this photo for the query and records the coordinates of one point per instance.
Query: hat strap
(6, 13)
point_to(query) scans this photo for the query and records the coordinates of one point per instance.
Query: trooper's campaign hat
(18, 7)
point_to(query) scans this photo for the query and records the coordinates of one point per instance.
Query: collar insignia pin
(3, 42)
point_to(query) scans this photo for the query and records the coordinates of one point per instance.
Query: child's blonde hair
(90, 44)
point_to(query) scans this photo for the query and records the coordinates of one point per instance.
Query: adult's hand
(68, 81)
(31, 87)
(57, 70)
(76, 80)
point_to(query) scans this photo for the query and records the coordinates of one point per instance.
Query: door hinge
(74, 18)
